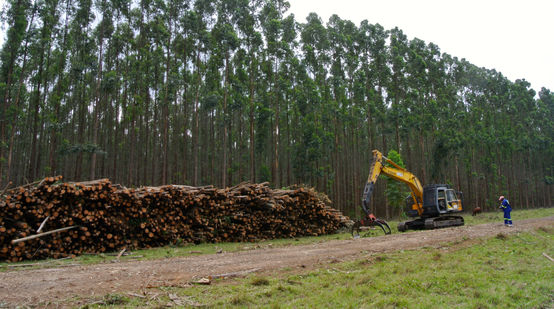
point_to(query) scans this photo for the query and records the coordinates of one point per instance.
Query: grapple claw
(369, 221)
(384, 226)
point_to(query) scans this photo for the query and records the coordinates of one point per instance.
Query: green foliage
(396, 191)
(69, 149)
(264, 173)
(189, 91)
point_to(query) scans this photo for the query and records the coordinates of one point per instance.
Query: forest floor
(77, 284)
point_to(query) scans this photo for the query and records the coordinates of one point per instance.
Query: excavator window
(450, 195)
(452, 199)
(442, 199)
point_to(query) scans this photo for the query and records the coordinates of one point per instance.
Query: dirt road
(52, 285)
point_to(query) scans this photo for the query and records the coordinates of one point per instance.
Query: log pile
(98, 216)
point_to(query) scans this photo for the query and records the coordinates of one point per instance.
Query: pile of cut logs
(56, 219)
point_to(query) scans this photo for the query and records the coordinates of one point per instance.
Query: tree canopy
(219, 92)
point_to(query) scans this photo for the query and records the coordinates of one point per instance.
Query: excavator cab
(439, 199)
(439, 203)
(454, 203)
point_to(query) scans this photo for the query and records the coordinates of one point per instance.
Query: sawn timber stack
(110, 217)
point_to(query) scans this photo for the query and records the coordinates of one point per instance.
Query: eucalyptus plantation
(218, 92)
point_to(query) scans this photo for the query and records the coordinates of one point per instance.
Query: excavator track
(431, 223)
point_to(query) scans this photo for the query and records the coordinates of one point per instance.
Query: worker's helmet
(501, 197)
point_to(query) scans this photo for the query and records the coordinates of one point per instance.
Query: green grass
(492, 217)
(506, 271)
(185, 250)
(518, 214)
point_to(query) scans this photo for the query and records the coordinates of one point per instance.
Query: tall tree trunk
(458, 180)
(96, 121)
(117, 134)
(387, 206)
(422, 157)
(43, 139)
(196, 130)
(289, 146)
(132, 144)
(226, 120)
(165, 112)
(16, 105)
(36, 108)
(20, 12)
(251, 128)
(275, 156)
(185, 157)
(80, 127)
(384, 137)
(277, 144)
(52, 162)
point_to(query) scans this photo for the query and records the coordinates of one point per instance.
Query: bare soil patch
(60, 285)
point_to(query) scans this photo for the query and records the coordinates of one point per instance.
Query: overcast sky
(514, 37)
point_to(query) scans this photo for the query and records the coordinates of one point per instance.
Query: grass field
(504, 271)
(500, 272)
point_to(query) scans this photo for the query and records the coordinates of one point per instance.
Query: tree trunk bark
(251, 129)
(226, 120)
(276, 180)
(165, 111)
(36, 109)
(196, 129)
(7, 93)
(97, 101)
(16, 104)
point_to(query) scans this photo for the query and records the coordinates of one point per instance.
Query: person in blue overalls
(505, 206)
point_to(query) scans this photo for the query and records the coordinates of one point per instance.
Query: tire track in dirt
(51, 285)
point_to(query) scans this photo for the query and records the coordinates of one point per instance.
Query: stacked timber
(98, 216)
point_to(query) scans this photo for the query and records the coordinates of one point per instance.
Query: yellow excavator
(434, 204)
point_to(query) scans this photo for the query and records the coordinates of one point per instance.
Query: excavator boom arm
(396, 172)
